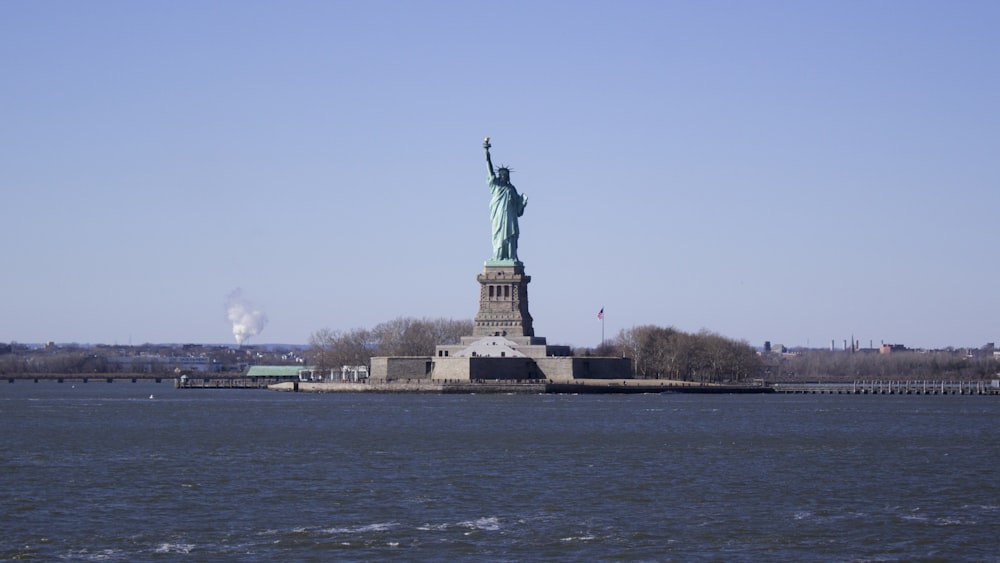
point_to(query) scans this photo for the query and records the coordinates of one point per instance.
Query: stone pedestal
(503, 301)
(503, 345)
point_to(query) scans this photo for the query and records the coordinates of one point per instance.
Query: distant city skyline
(786, 172)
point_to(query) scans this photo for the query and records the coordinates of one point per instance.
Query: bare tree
(330, 350)
(403, 336)
(665, 352)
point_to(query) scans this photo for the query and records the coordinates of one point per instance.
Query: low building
(353, 374)
(890, 348)
(279, 374)
(499, 357)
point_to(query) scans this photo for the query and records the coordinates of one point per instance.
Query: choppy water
(100, 471)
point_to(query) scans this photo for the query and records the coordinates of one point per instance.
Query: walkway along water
(893, 388)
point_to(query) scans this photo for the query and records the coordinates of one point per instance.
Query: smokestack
(247, 319)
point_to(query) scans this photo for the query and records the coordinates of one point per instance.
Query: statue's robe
(506, 205)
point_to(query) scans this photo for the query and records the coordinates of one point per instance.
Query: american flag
(600, 314)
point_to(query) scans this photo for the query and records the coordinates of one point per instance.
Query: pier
(892, 388)
(86, 378)
(225, 382)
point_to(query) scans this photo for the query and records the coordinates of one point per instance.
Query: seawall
(517, 387)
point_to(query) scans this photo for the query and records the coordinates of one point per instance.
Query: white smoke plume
(247, 319)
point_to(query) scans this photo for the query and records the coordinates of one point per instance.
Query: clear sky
(798, 172)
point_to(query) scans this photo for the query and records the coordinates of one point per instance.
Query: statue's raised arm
(489, 163)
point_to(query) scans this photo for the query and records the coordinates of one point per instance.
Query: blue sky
(798, 172)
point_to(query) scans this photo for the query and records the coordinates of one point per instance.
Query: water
(101, 471)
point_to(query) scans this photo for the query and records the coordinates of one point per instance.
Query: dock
(224, 382)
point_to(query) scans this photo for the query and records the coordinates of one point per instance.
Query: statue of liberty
(506, 205)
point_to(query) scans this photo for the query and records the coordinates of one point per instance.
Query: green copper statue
(506, 205)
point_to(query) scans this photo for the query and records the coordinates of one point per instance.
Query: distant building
(277, 374)
(890, 348)
(354, 374)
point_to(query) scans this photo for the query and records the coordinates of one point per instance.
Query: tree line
(668, 353)
(71, 361)
(829, 365)
(403, 336)
(656, 352)
(150, 359)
